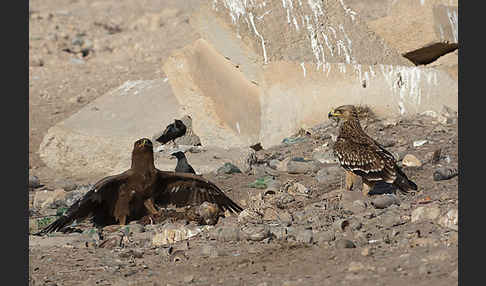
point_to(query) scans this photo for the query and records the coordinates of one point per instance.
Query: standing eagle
(362, 156)
(132, 194)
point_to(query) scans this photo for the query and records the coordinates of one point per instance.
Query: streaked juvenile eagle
(134, 193)
(362, 156)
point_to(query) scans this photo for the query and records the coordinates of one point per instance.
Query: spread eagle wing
(183, 189)
(97, 203)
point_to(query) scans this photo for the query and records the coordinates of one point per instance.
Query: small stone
(424, 269)
(390, 219)
(249, 216)
(405, 205)
(283, 200)
(424, 241)
(209, 251)
(278, 232)
(326, 157)
(384, 201)
(328, 173)
(344, 243)
(274, 163)
(324, 236)
(49, 199)
(133, 228)
(390, 122)
(450, 219)
(296, 166)
(419, 143)
(296, 189)
(172, 233)
(34, 181)
(341, 225)
(411, 161)
(77, 61)
(188, 278)
(228, 168)
(256, 232)
(226, 233)
(366, 251)
(430, 212)
(304, 236)
(445, 173)
(33, 226)
(453, 239)
(355, 266)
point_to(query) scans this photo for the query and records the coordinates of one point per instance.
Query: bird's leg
(367, 186)
(149, 205)
(122, 220)
(350, 180)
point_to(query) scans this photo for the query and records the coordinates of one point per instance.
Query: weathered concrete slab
(292, 94)
(305, 94)
(215, 93)
(316, 31)
(98, 140)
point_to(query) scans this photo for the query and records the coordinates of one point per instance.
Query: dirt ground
(79, 50)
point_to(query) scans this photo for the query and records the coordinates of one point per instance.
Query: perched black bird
(133, 194)
(172, 131)
(182, 164)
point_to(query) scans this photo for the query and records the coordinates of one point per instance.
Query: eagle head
(143, 144)
(343, 112)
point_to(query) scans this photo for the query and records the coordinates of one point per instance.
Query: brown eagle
(134, 193)
(362, 156)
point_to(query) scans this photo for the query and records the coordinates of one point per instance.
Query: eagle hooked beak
(331, 114)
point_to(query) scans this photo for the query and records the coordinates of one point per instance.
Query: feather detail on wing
(182, 189)
(96, 202)
(366, 159)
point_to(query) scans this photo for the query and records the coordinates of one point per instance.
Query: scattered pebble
(355, 266)
(188, 278)
(430, 212)
(228, 168)
(411, 161)
(34, 181)
(344, 243)
(384, 201)
(445, 173)
(419, 143)
(450, 219)
(256, 232)
(367, 251)
(300, 166)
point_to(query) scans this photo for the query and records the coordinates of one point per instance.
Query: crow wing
(98, 203)
(184, 189)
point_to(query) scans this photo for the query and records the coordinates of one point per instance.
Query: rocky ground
(299, 226)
